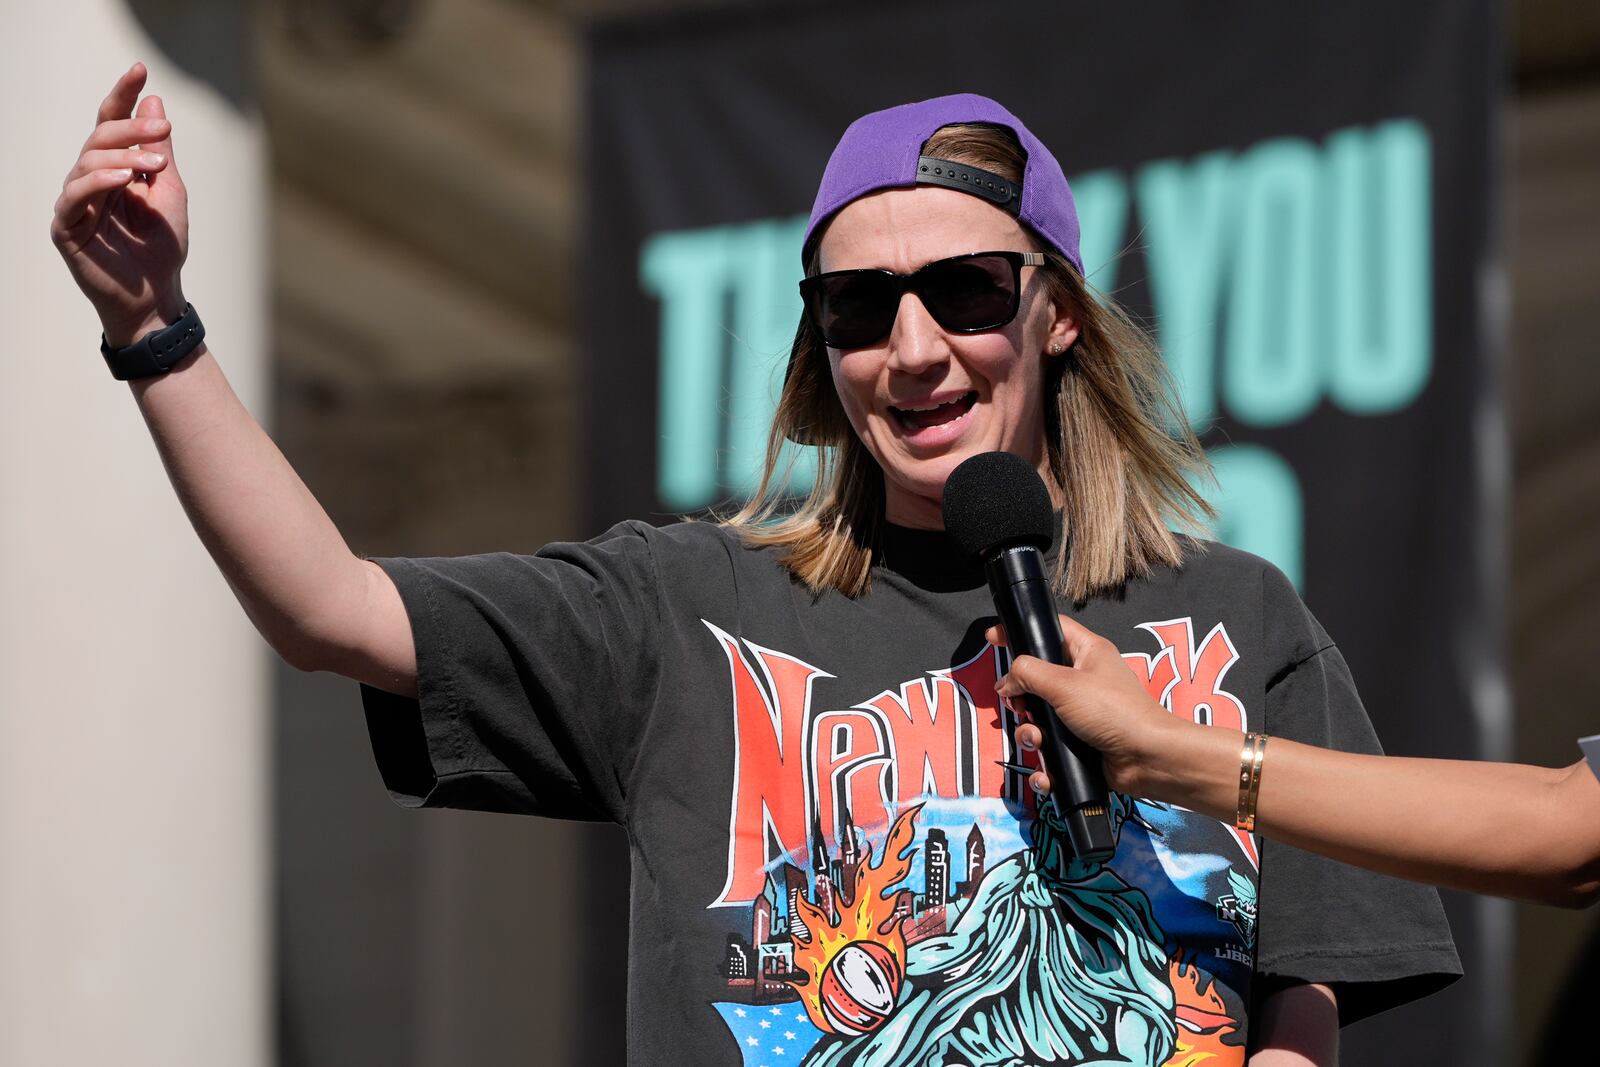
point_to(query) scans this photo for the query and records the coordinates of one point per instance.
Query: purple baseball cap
(883, 150)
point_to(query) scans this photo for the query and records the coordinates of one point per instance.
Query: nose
(916, 342)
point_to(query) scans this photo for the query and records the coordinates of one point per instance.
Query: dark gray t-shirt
(831, 865)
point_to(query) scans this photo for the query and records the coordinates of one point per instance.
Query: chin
(926, 478)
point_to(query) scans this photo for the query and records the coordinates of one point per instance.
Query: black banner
(1301, 199)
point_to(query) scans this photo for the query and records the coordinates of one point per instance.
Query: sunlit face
(922, 400)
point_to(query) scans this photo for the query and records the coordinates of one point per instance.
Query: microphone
(996, 507)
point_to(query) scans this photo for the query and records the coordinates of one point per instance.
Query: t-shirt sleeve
(534, 677)
(1378, 941)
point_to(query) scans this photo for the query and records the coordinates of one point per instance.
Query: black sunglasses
(964, 294)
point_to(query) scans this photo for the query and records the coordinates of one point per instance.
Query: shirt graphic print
(897, 895)
(830, 861)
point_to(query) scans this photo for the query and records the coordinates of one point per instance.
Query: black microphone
(997, 508)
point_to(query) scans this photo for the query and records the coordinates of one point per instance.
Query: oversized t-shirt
(832, 862)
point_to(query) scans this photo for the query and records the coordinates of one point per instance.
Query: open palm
(122, 220)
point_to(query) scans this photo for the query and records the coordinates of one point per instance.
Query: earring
(1057, 348)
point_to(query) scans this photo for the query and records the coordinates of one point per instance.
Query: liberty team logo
(907, 899)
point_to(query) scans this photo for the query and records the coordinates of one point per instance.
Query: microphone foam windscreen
(996, 498)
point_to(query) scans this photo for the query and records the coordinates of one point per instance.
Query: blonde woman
(837, 858)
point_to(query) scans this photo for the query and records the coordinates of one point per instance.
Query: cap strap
(1007, 195)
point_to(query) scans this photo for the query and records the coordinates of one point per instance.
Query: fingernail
(1027, 744)
(152, 159)
(124, 172)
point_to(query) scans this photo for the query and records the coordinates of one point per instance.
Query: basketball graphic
(859, 987)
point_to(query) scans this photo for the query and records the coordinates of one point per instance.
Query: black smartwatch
(157, 351)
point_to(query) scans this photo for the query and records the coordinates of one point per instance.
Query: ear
(1063, 332)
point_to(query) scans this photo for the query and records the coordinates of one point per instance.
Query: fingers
(109, 159)
(1029, 736)
(1028, 740)
(80, 194)
(116, 159)
(1028, 674)
(118, 103)
(123, 133)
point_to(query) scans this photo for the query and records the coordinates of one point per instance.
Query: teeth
(934, 407)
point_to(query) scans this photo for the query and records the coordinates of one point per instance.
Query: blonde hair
(1120, 453)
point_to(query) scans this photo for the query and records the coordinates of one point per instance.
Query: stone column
(134, 922)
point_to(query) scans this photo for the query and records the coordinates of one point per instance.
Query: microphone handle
(1077, 781)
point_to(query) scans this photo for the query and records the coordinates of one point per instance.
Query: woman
(795, 716)
(1511, 830)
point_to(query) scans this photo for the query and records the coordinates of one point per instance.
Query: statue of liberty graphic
(1052, 962)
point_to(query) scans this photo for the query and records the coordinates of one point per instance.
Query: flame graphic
(868, 918)
(1203, 1021)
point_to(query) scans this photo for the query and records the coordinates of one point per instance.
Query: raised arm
(121, 224)
(1499, 828)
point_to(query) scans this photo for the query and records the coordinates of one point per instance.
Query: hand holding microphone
(1099, 699)
(1530, 833)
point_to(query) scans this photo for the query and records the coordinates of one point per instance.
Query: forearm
(286, 562)
(1506, 829)
(1297, 1026)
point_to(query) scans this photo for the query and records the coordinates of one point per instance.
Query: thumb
(1084, 647)
(151, 107)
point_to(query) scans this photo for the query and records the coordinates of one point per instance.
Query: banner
(1301, 202)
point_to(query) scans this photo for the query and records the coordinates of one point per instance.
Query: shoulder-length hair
(1120, 454)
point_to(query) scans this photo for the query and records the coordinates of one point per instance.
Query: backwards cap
(883, 150)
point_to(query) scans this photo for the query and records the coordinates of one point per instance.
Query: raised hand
(122, 220)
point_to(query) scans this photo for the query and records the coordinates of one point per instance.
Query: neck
(915, 512)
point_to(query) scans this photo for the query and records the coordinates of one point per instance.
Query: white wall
(133, 756)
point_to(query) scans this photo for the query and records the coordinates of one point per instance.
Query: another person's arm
(121, 225)
(1504, 829)
(1297, 1026)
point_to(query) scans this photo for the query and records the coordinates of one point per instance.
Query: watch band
(157, 351)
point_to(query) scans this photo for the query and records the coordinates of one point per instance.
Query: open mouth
(922, 418)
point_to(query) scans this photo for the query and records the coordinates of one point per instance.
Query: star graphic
(764, 1024)
(777, 1052)
(751, 1041)
(799, 1016)
(740, 1012)
(788, 1035)
(777, 1011)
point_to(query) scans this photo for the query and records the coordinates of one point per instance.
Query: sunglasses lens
(971, 293)
(853, 309)
(856, 308)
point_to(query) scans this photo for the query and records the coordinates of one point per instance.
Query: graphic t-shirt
(836, 858)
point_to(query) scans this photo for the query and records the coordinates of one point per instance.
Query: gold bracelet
(1251, 757)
